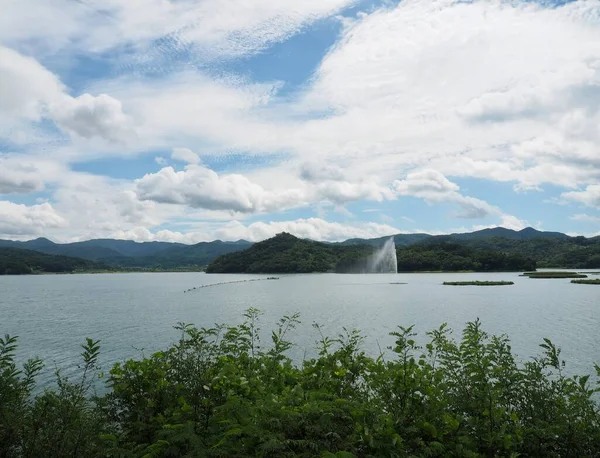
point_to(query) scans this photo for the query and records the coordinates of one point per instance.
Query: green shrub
(221, 392)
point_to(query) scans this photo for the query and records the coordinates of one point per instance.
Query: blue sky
(191, 120)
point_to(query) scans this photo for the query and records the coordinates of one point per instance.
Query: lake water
(134, 314)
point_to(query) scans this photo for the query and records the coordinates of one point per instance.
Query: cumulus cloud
(435, 188)
(185, 155)
(585, 218)
(589, 197)
(422, 90)
(19, 178)
(24, 174)
(26, 87)
(28, 91)
(319, 171)
(311, 228)
(17, 220)
(502, 110)
(462, 87)
(88, 117)
(201, 187)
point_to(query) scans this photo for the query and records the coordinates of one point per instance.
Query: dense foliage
(445, 256)
(15, 261)
(550, 274)
(569, 253)
(285, 253)
(219, 393)
(595, 281)
(548, 249)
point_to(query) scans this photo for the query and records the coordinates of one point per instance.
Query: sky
(195, 120)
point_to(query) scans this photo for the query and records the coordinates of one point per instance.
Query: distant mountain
(549, 249)
(127, 253)
(528, 233)
(17, 261)
(85, 250)
(399, 240)
(524, 234)
(201, 254)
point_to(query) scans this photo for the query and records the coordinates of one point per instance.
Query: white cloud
(319, 171)
(200, 187)
(312, 228)
(28, 91)
(88, 117)
(212, 29)
(512, 222)
(20, 174)
(589, 197)
(19, 178)
(26, 87)
(462, 87)
(18, 220)
(435, 188)
(422, 90)
(585, 218)
(439, 84)
(185, 155)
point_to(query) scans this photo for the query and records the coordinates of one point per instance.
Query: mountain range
(130, 254)
(547, 247)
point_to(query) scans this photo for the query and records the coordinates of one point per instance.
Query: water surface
(134, 314)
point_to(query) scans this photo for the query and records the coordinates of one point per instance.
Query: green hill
(285, 253)
(198, 255)
(570, 252)
(452, 257)
(16, 261)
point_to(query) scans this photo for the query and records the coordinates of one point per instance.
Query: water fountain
(384, 260)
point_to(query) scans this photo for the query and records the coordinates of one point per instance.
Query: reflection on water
(134, 314)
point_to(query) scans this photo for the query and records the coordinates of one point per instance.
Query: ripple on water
(130, 312)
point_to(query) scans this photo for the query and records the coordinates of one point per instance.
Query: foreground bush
(218, 393)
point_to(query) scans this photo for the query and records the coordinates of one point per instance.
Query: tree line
(16, 261)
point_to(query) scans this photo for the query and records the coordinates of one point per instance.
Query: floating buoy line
(229, 283)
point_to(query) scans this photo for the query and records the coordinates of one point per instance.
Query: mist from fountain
(384, 260)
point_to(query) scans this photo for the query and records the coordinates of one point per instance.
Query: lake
(134, 314)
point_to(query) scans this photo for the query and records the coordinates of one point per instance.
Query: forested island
(217, 393)
(285, 253)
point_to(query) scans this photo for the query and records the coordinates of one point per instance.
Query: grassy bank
(594, 281)
(478, 283)
(221, 392)
(554, 275)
